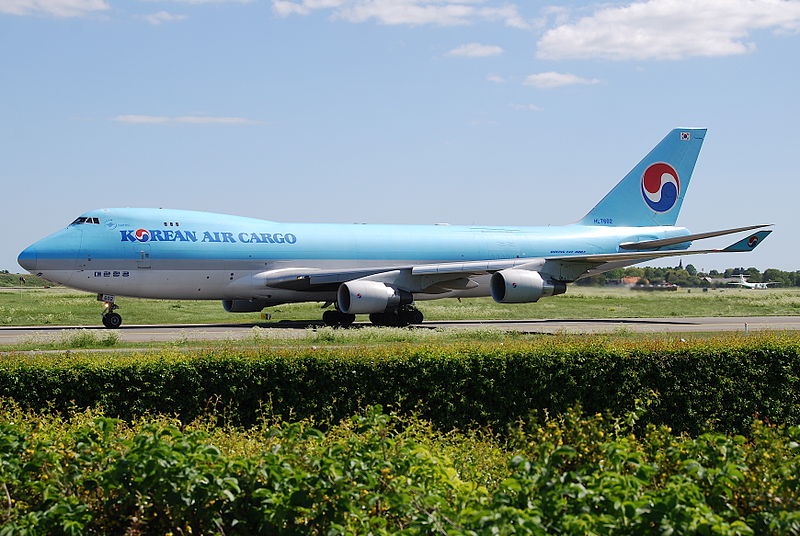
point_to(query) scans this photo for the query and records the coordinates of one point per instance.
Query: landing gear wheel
(390, 319)
(337, 319)
(112, 320)
(329, 317)
(378, 319)
(411, 316)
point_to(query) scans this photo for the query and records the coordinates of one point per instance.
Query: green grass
(69, 307)
(31, 281)
(327, 337)
(68, 339)
(277, 338)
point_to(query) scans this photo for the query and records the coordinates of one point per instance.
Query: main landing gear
(403, 317)
(336, 318)
(111, 320)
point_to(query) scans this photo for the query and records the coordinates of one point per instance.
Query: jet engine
(370, 297)
(245, 306)
(523, 286)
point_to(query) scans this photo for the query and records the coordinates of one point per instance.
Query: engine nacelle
(370, 297)
(245, 306)
(523, 286)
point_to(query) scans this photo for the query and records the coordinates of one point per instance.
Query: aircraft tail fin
(652, 192)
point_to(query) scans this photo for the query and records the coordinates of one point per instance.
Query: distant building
(624, 282)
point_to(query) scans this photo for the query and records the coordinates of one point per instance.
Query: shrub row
(374, 474)
(700, 385)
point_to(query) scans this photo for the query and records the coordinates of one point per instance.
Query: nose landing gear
(111, 320)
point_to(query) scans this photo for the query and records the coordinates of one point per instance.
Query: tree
(753, 275)
(784, 278)
(691, 270)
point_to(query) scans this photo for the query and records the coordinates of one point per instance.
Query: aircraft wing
(417, 278)
(602, 263)
(572, 267)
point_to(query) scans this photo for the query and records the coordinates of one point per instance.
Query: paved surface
(173, 333)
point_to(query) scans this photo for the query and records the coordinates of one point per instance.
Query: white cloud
(669, 29)
(496, 78)
(527, 107)
(552, 79)
(285, 8)
(137, 119)
(162, 16)
(211, 1)
(476, 50)
(412, 12)
(55, 8)
(507, 13)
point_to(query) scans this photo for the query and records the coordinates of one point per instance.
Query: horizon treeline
(689, 276)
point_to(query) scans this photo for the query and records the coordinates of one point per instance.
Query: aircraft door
(83, 253)
(142, 256)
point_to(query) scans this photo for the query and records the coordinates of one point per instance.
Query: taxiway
(196, 332)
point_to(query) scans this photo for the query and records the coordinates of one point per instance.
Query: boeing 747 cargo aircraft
(380, 270)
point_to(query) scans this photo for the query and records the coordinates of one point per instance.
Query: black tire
(331, 318)
(416, 317)
(387, 319)
(112, 320)
(402, 319)
(346, 319)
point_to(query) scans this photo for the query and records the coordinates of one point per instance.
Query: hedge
(381, 475)
(698, 386)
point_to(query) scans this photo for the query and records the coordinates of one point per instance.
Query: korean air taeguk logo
(142, 235)
(660, 187)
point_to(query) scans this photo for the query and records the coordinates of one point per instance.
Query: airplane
(380, 270)
(740, 281)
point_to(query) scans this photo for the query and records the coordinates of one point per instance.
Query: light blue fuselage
(179, 254)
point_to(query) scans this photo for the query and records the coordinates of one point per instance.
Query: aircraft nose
(29, 257)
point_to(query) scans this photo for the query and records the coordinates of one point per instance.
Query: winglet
(749, 243)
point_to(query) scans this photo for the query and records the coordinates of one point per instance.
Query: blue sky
(395, 111)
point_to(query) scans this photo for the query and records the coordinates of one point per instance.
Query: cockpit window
(84, 219)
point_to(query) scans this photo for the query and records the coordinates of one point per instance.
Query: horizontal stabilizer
(655, 244)
(749, 243)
